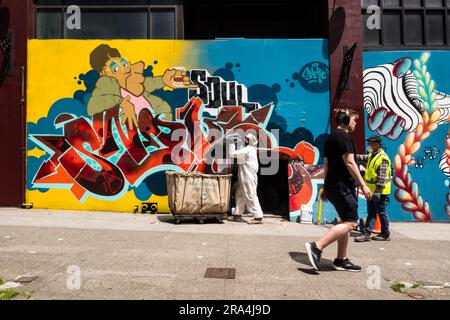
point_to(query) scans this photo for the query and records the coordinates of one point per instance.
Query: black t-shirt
(338, 144)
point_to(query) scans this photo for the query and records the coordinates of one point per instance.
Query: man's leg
(240, 204)
(371, 215)
(240, 201)
(334, 234)
(342, 263)
(252, 204)
(384, 219)
(350, 218)
(370, 222)
(338, 233)
(346, 204)
(342, 247)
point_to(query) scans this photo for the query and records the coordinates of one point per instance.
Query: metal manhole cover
(220, 273)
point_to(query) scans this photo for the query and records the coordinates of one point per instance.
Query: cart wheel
(177, 221)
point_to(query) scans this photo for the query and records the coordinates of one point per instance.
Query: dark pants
(344, 199)
(377, 206)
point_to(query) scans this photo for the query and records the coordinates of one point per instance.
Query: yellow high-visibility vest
(371, 172)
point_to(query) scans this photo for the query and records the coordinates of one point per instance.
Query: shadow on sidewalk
(166, 218)
(302, 257)
(169, 218)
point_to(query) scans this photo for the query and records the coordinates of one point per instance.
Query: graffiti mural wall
(407, 99)
(106, 119)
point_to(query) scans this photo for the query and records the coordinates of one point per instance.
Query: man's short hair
(374, 139)
(341, 113)
(100, 55)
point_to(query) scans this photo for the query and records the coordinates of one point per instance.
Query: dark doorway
(210, 19)
(273, 190)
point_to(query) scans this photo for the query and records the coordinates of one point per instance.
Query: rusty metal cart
(198, 196)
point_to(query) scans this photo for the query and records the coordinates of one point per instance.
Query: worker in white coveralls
(246, 193)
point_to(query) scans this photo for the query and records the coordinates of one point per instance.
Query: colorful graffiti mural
(405, 107)
(107, 146)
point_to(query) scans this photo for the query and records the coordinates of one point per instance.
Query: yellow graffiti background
(52, 68)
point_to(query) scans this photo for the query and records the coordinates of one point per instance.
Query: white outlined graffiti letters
(216, 92)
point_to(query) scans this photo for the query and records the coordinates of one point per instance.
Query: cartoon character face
(117, 68)
(129, 76)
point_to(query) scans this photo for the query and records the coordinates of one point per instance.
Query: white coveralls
(246, 195)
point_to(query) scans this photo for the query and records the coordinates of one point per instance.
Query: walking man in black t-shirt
(342, 176)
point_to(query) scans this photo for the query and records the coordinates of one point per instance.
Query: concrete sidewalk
(127, 256)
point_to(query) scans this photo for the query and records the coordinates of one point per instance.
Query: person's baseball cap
(375, 139)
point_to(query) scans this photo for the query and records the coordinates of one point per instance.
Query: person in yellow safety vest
(378, 179)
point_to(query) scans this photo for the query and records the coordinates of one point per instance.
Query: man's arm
(159, 106)
(352, 167)
(106, 95)
(238, 154)
(382, 178)
(232, 149)
(153, 83)
(361, 161)
(242, 151)
(362, 157)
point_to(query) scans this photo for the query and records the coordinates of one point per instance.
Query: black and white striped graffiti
(392, 101)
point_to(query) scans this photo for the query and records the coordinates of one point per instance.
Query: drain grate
(220, 273)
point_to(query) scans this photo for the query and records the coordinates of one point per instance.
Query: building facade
(276, 67)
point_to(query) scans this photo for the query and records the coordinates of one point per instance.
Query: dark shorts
(345, 201)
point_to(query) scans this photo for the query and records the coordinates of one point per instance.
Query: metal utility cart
(198, 196)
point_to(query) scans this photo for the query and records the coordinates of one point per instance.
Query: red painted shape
(303, 150)
(259, 115)
(60, 176)
(78, 191)
(46, 169)
(300, 186)
(64, 117)
(102, 125)
(134, 171)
